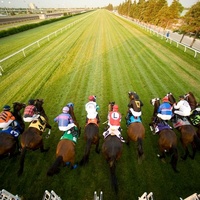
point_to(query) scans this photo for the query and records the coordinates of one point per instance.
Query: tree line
(159, 13)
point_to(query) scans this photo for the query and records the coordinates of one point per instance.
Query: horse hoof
(158, 155)
(75, 166)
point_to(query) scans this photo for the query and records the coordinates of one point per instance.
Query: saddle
(71, 134)
(92, 121)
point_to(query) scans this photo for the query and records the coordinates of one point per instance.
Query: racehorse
(9, 137)
(167, 141)
(136, 133)
(188, 133)
(91, 136)
(195, 114)
(32, 137)
(112, 150)
(65, 151)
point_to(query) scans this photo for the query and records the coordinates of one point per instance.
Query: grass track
(107, 56)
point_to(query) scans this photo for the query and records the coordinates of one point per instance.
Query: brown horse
(9, 141)
(32, 137)
(91, 136)
(65, 154)
(65, 151)
(188, 135)
(136, 133)
(167, 141)
(112, 151)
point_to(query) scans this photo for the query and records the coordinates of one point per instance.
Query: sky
(75, 3)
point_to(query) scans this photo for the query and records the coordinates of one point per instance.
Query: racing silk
(165, 109)
(91, 108)
(114, 118)
(29, 111)
(135, 105)
(184, 108)
(63, 119)
(5, 116)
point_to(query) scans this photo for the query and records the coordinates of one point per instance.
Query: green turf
(107, 56)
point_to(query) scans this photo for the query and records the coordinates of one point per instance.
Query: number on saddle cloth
(15, 132)
(195, 117)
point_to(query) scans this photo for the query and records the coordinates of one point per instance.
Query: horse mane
(110, 105)
(171, 98)
(191, 100)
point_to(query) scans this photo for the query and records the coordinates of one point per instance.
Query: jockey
(114, 119)
(183, 107)
(134, 106)
(6, 117)
(165, 110)
(91, 108)
(30, 112)
(64, 120)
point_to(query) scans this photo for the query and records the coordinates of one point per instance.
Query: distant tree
(110, 7)
(191, 22)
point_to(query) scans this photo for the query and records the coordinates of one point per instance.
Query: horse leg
(85, 158)
(54, 169)
(139, 147)
(42, 149)
(97, 147)
(21, 169)
(193, 151)
(174, 158)
(112, 166)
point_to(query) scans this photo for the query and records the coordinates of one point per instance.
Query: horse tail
(197, 141)
(174, 158)
(112, 165)
(22, 157)
(139, 147)
(54, 169)
(85, 158)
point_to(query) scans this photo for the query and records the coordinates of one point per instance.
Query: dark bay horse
(112, 151)
(65, 151)
(188, 134)
(31, 138)
(167, 141)
(9, 141)
(91, 136)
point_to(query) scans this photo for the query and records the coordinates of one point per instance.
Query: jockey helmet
(165, 99)
(181, 97)
(6, 107)
(115, 107)
(65, 109)
(131, 95)
(31, 102)
(70, 105)
(92, 98)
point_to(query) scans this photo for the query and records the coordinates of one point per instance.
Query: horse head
(171, 98)
(110, 105)
(156, 103)
(189, 97)
(17, 106)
